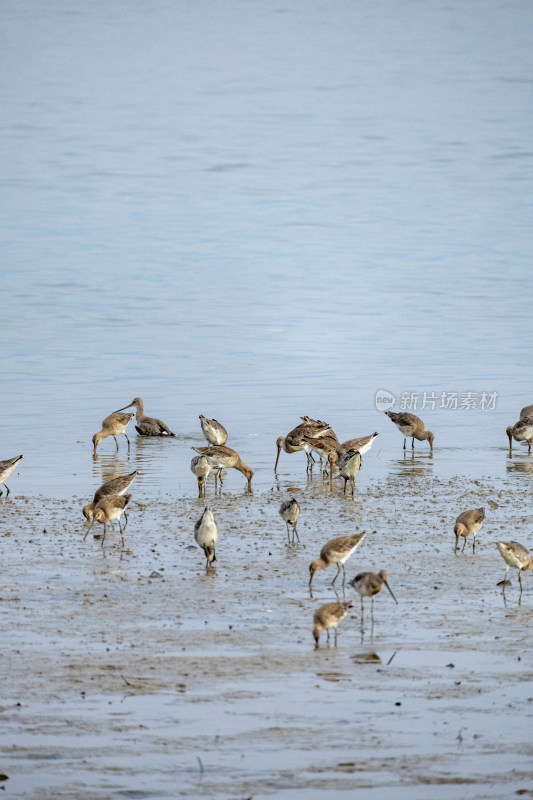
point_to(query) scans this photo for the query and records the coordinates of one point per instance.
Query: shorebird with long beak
(293, 441)
(517, 556)
(113, 425)
(206, 535)
(202, 468)
(411, 426)
(147, 426)
(222, 457)
(363, 444)
(349, 465)
(117, 486)
(336, 551)
(522, 431)
(325, 447)
(369, 584)
(468, 524)
(214, 432)
(327, 617)
(290, 511)
(107, 510)
(6, 468)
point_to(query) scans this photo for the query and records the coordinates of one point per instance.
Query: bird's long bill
(88, 529)
(123, 409)
(277, 459)
(390, 590)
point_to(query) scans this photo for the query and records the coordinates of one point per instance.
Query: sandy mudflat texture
(193, 684)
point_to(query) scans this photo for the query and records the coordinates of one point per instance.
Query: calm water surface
(257, 211)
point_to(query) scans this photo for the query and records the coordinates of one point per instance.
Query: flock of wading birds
(316, 438)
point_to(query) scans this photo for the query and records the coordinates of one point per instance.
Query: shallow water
(257, 212)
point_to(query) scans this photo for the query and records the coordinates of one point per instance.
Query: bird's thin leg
(343, 576)
(353, 486)
(337, 575)
(404, 441)
(464, 545)
(128, 441)
(362, 608)
(345, 482)
(413, 444)
(288, 532)
(295, 533)
(505, 578)
(327, 634)
(474, 545)
(529, 447)
(116, 441)
(520, 579)
(121, 529)
(335, 637)
(7, 488)
(103, 538)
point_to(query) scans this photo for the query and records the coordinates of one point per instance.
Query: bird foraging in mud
(336, 551)
(222, 457)
(206, 535)
(349, 465)
(202, 468)
(117, 486)
(517, 556)
(468, 524)
(113, 425)
(214, 432)
(369, 584)
(6, 468)
(411, 426)
(290, 511)
(107, 510)
(328, 616)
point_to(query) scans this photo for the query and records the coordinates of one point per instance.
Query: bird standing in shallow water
(411, 426)
(222, 457)
(290, 511)
(369, 584)
(115, 486)
(363, 444)
(349, 465)
(107, 510)
(522, 431)
(293, 441)
(112, 425)
(467, 523)
(206, 534)
(517, 556)
(147, 426)
(6, 468)
(202, 468)
(328, 616)
(214, 432)
(336, 551)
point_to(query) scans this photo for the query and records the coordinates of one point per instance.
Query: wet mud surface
(136, 673)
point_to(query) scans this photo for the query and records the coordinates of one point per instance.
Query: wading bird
(201, 467)
(6, 468)
(349, 465)
(214, 432)
(147, 426)
(468, 523)
(112, 425)
(522, 431)
(115, 486)
(369, 584)
(290, 511)
(327, 617)
(293, 441)
(206, 534)
(411, 426)
(515, 555)
(336, 551)
(222, 457)
(107, 510)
